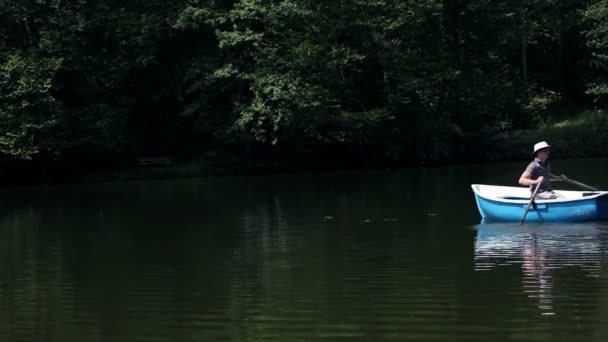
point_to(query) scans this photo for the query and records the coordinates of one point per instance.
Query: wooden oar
(584, 186)
(530, 203)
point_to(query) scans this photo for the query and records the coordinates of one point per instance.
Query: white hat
(540, 146)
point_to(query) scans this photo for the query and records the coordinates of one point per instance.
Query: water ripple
(262, 274)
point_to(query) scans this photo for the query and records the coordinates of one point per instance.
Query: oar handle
(530, 203)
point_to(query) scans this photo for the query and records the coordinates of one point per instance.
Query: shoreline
(512, 146)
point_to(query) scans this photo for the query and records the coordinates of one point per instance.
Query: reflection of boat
(505, 203)
(572, 243)
(540, 250)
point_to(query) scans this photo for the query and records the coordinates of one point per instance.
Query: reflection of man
(541, 253)
(536, 274)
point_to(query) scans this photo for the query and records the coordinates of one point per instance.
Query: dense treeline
(104, 81)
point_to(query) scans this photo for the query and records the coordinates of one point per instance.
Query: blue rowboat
(506, 203)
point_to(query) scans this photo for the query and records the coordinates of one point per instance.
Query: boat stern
(602, 207)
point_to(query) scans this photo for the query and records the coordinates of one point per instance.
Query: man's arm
(526, 179)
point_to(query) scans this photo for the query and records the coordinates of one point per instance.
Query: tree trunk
(524, 48)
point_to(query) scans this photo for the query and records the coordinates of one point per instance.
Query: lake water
(391, 255)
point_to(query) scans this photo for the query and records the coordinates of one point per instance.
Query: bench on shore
(154, 161)
(504, 125)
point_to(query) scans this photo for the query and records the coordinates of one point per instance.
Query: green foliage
(395, 80)
(28, 114)
(597, 41)
(274, 71)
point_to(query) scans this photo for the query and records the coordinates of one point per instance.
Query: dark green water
(355, 256)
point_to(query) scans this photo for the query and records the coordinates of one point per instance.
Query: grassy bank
(584, 136)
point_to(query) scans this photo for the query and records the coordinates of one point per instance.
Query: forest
(271, 84)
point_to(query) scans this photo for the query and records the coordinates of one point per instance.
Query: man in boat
(539, 172)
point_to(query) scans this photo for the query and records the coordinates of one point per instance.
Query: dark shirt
(537, 169)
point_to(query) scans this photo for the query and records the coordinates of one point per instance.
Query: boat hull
(496, 209)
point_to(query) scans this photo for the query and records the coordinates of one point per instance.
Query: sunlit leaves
(597, 40)
(28, 111)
